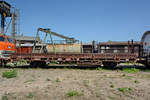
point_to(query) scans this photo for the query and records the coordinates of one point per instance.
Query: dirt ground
(58, 84)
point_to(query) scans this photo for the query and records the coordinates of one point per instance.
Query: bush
(112, 86)
(57, 80)
(4, 98)
(131, 70)
(99, 68)
(72, 93)
(125, 89)
(48, 79)
(9, 74)
(136, 81)
(30, 95)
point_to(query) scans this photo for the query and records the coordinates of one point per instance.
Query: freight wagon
(109, 53)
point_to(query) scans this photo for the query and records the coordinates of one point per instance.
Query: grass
(112, 86)
(30, 95)
(29, 81)
(136, 81)
(57, 80)
(131, 70)
(131, 63)
(110, 97)
(127, 76)
(48, 79)
(86, 82)
(9, 74)
(4, 98)
(99, 68)
(125, 89)
(147, 70)
(148, 76)
(124, 75)
(72, 93)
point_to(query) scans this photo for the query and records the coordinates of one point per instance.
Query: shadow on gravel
(85, 67)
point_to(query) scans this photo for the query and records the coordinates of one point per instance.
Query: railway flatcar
(109, 53)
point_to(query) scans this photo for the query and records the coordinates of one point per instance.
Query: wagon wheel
(3, 63)
(38, 64)
(110, 65)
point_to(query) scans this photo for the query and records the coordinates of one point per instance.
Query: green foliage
(124, 75)
(29, 81)
(57, 80)
(112, 86)
(48, 79)
(72, 93)
(125, 89)
(131, 70)
(147, 70)
(21, 62)
(136, 81)
(53, 62)
(110, 97)
(148, 76)
(9, 74)
(4, 98)
(85, 82)
(99, 68)
(30, 95)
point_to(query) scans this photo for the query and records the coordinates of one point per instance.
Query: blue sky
(86, 20)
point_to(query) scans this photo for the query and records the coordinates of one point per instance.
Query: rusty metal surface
(24, 50)
(65, 48)
(76, 57)
(119, 47)
(88, 48)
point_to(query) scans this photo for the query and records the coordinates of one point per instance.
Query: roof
(119, 43)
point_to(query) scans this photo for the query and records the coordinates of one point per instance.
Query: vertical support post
(20, 49)
(105, 49)
(93, 45)
(52, 42)
(2, 24)
(81, 48)
(43, 43)
(34, 45)
(13, 33)
(132, 47)
(99, 48)
(128, 46)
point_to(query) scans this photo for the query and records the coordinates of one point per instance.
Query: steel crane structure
(48, 31)
(7, 11)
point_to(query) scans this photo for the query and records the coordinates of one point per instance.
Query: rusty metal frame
(78, 58)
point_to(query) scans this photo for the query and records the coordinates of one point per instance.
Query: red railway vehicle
(7, 47)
